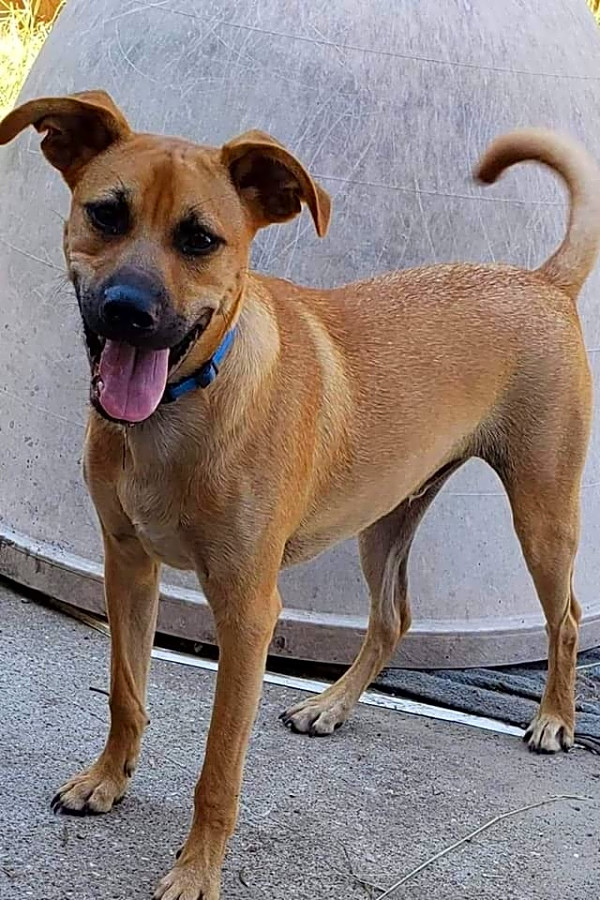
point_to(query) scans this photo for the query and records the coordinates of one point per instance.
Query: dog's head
(158, 238)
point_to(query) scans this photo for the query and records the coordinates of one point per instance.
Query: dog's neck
(204, 375)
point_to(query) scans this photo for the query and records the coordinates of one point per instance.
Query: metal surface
(389, 105)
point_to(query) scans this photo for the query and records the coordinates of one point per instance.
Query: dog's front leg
(245, 617)
(131, 588)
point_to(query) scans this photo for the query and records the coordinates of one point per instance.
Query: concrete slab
(323, 819)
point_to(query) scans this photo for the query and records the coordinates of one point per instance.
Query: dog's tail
(573, 261)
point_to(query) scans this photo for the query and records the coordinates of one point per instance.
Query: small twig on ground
(98, 690)
(368, 885)
(473, 834)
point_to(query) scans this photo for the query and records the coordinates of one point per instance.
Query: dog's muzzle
(134, 340)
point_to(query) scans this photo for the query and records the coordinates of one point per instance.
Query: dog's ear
(77, 128)
(272, 182)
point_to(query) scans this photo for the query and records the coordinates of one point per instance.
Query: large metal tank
(389, 105)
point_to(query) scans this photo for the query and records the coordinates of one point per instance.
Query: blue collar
(203, 376)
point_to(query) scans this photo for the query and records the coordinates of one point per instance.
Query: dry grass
(594, 5)
(22, 34)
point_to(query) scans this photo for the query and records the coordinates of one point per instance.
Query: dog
(241, 423)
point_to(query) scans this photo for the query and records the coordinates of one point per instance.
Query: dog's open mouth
(128, 382)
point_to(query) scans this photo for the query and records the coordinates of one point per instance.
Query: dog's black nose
(127, 306)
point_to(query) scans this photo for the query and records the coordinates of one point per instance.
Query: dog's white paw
(187, 881)
(549, 733)
(318, 716)
(93, 791)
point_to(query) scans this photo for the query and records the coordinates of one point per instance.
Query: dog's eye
(193, 239)
(109, 217)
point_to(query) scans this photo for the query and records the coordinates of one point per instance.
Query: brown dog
(336, 413)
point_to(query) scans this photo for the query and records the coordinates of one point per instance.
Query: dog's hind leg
(384, 549)
(542, 476)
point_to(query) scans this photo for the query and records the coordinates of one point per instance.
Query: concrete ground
(325, 819)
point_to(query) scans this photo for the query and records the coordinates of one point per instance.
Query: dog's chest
(164, 544)
(159, 517)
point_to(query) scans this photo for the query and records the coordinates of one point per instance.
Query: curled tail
(572, 262)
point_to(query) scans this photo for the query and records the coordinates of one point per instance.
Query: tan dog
(335, 413)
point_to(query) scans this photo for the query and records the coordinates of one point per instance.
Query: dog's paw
(187, 881)
(91, 792)
(549, 734)
(318, 716)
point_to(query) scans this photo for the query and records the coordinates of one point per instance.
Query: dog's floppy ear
(77, 128)
(272, 182)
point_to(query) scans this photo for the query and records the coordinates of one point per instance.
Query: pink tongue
(132, 380)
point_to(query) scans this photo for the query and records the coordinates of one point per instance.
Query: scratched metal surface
(389, 105)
